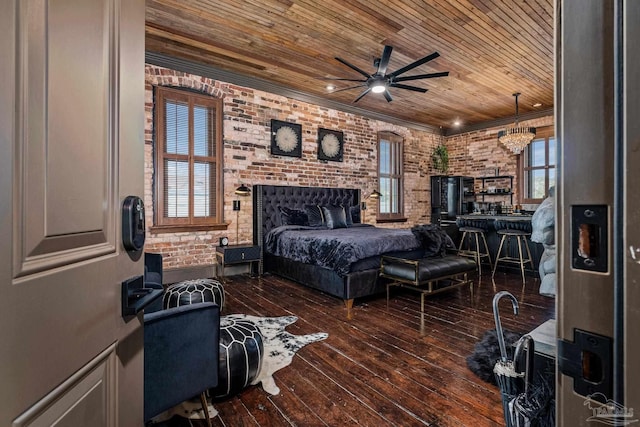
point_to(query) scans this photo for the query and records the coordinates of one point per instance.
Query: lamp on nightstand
(243, 191)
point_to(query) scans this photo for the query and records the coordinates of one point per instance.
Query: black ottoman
(241, 354)
(194, 291)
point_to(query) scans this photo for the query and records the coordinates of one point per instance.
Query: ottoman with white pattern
(194, 291)
(241, 354)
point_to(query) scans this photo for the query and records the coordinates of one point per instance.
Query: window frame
(545, 133)
(397, 141)
(163, 223)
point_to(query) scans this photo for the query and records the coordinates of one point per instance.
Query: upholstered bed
(359, 277)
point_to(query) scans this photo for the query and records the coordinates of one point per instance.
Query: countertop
(513, 217)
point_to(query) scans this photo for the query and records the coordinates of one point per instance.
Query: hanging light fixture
(517, 137)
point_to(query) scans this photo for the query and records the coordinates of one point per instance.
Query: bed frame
(267, 199)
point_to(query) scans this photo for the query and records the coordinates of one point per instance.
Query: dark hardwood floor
(381, 368)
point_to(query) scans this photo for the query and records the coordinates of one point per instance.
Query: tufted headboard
(267, 199)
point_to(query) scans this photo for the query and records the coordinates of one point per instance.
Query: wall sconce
(243, 191)
(363, 205)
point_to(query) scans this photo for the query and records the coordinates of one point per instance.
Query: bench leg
(388, 286)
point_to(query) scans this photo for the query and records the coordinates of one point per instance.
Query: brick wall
(479, 153)
(247, 159)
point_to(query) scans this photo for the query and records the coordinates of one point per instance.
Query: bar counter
(493, 240)
(509, 217)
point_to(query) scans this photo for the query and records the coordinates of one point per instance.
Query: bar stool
(519, 230)
(472, 228)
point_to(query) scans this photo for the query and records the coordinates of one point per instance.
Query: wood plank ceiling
(491, 48)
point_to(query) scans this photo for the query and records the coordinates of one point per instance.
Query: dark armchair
(153, 278)
(180, 356)
(153, 268)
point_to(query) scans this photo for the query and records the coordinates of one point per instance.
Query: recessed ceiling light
(456, 123)
(537, 104)
(330, 87)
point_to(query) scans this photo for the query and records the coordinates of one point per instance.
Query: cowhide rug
(279, 348)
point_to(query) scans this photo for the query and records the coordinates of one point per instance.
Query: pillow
(347, 214)
(314, 215)
(334, 216)
(354, 211)
(293, 216)
(433, 239)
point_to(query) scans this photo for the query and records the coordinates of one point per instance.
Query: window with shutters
(390, 177)
(188, 161)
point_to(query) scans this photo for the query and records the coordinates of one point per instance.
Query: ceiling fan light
(378, 88)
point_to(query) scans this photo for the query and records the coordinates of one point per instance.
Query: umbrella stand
(535, 407)
(509, 380)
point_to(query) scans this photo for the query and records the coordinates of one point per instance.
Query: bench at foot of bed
(427, 275)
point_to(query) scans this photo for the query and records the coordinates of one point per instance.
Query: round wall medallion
(286, 139)
(330, 145)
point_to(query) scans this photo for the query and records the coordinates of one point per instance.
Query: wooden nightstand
(236, 254)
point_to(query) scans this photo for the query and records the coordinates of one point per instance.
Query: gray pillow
(334, 216)
(290, 216)
(314, 214)
(355, 214)
(347, 213)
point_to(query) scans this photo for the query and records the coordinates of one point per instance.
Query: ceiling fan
(380, 81)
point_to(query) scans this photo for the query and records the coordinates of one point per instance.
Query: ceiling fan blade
(421, 76)
(361, 95)
(415, 64)
(353, 67)
(384, 61)
(387, 95)
(346, 88)
(407, 87)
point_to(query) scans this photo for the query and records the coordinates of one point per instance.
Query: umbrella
(509, 380)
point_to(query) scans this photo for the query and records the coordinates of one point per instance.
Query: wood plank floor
(381, 368)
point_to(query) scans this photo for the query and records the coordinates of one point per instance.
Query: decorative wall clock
(286, 138)
(330, 145)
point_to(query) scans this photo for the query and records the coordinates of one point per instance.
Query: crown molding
(499, 122)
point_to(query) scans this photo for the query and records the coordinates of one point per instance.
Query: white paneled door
(71, 150)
